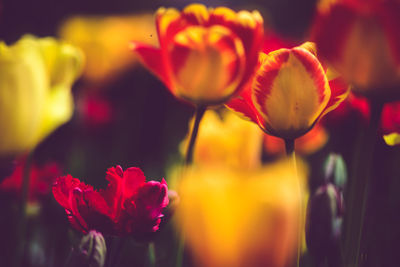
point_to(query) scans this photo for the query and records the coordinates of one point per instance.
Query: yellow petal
(392, 139)
(207, 63)
(232, 218)
(36, 76)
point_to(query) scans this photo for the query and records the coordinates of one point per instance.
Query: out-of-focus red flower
(129, 205)
(361, 39)
(95, 110)
(289, 93)
(40, 179)
(390, 117)
(205, 55)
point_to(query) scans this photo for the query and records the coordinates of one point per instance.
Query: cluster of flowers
(208, 57)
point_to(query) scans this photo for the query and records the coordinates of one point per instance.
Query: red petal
(152, 58)
(133, 179)
(146, 206)
(332, 28)
(339, 91)
(389, 15)
(64, 186)
(243, 105)
(114, 192)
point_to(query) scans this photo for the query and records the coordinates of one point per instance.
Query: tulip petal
(152, 58)
(196, 14)
(63, 186)
(392, 139)
(339, 91)
(133, 178)
(207, 63)
(243, 106)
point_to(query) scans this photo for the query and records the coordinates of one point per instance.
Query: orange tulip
(290, 92)
(205, 55)
(361, 39)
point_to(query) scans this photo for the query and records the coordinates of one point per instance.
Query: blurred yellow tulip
(241, 218)
(227, 140)
(105, 42)
(36, 75)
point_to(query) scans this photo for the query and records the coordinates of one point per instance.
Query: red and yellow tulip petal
(207, 64)
(196, 14)
(290, 91)
(151, 57)
(168, 22)
(248, 26)
(243, 106)
(339, 91)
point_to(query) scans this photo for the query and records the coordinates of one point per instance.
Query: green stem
(357, 194)
(198, 116)
(290, 152)
(22, 222)
(152, 254)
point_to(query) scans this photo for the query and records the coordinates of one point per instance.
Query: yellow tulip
(241, 218)
(227, 140)
(105, 42)
(36, 75)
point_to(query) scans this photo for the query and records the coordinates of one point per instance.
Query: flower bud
(335, 170)
(93, 249)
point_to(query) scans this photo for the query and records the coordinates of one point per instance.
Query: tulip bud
(93, 249)
(335, 170)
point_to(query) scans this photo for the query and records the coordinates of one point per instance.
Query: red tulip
(361, 39)
(205, 55)
(129, 205)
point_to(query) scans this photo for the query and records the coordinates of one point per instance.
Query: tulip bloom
(36, 76)
(361, 39)
(225, 139)
(290, 92)
(129, 205)
(205, 55)
(241, 218)
(104, 41)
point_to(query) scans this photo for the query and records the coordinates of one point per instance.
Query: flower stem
(22, 222)
(180, 253)
(198, 116)
(357, 193)
(152, 254)
(289, 146)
